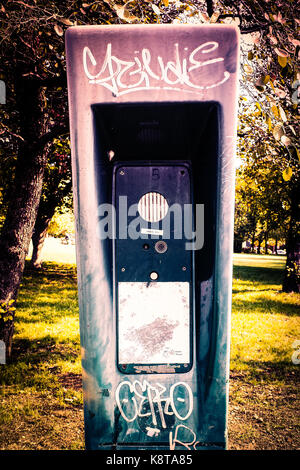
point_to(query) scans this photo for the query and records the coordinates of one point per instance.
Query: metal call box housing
(153, 112)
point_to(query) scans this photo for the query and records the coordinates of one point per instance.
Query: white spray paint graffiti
(143, 72)
(144, 391)
(188, 440)
(144, 400)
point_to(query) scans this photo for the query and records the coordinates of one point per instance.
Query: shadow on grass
(33, 362)
(52, 271)
(267, 276)
(267, 371)
(265, 306)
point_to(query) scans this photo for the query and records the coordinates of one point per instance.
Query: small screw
(183, 268)
(122, 269)
(122, 172)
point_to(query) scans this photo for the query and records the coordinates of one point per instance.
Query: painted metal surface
(181, 80)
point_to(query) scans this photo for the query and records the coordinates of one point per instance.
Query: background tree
(33, 68)
(270, 80)
(56, 192)
(262, 202)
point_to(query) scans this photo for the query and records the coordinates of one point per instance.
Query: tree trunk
(259, 244)
(22, 209)
(291, 282)
(253, 242)
(14, 242)
(266, 243)
(38, 239)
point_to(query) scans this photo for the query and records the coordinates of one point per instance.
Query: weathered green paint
(197, 112)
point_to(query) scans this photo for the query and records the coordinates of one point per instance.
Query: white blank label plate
(154, 322)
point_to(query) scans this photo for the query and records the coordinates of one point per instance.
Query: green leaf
(269, 122)
(282, 61)
(275, 110)
(258, 106)
(287, 174)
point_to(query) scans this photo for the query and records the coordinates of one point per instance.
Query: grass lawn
(264, 385)
(40, 391)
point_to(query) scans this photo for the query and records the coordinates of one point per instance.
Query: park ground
(41, 391)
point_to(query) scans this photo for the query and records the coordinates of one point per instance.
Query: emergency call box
(153, 112)
(153, 270)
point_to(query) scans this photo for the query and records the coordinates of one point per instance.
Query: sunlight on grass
(265, 321)
(46, 340)
(270, 261)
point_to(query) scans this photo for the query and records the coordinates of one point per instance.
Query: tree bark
(291, 282)
(22, 208)
(15, 238)
(38, 239)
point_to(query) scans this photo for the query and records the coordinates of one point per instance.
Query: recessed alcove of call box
(153, 112)
(189, 133)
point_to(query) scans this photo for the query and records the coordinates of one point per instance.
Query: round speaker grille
(153, 207)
